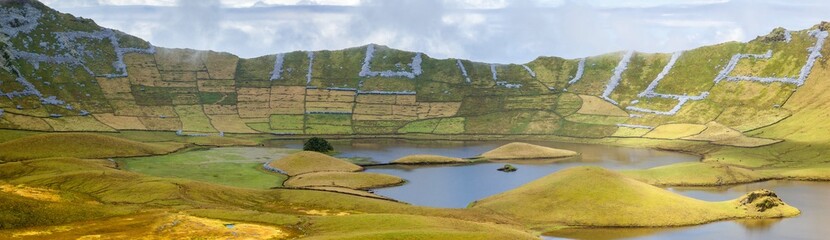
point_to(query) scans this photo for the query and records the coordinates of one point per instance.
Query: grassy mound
(307, 162)
(79, 145)
(592, 196)
(343, 179)
(519, 150)
(428, 159)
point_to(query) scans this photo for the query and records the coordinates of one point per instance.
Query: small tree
(318, 145)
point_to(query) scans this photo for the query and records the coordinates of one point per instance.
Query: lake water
(457, 186)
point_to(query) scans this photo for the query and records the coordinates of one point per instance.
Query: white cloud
(483, 30)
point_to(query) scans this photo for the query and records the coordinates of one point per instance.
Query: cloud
(501, 31)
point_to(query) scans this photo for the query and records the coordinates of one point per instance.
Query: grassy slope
(81, 145)
(591, 196)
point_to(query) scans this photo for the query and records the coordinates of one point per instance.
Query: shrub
(318, 145)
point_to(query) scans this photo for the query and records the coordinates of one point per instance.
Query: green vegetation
(308, 162)
(318, 145)
(517, 150)
(235, 166)
(80, 145)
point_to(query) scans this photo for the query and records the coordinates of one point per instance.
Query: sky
(498, 31)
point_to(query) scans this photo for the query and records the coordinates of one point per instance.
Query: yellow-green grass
(518, 150)
(595, 197)
(234, 166)
(79, 145)
(398, 226)
(428, 159)
(696, 174)
(675, 131)
(308, 162)
(352, 180)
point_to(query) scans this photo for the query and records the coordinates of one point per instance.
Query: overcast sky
(501, 31)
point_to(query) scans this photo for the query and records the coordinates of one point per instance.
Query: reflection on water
(812, 198)
(457, 186)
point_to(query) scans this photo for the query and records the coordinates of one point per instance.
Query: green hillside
(65, 73)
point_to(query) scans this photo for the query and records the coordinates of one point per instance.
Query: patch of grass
(81, 145)
(238, 167)
(352, 180)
